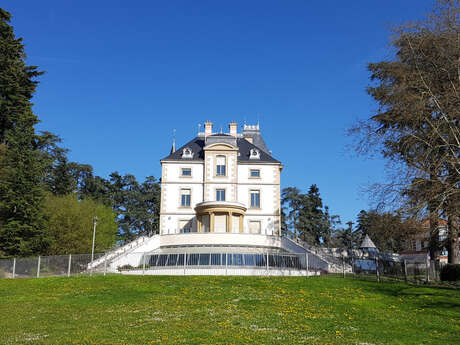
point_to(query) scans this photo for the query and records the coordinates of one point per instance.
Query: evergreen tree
(317, 220)
(22, 220)
(137, 205)
(62, 176)
(305, 217)
(364, 225)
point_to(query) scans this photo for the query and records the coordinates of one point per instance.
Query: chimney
(207, 128)
(233, 128)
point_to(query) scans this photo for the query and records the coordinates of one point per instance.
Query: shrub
(124, 268)
(450, 272)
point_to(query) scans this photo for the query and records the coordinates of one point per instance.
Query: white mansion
(222, 183)
(219, 214)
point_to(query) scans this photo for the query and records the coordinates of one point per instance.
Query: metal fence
(48, 266)
(381, 268)
(165, 263)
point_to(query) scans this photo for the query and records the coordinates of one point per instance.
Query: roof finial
(221, 129)
(173, 148)
(199, 128)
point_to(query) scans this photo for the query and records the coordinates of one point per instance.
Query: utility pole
(94, 237)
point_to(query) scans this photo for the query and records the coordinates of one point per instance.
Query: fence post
(405, 270)
(68, 267)
(105, 264)
(226, 264)
(14, 267)
(427, 270)
(306, 263)
(343, 266)
(267, 264)
(377, 269)
(38, 267)
(185, 262)
(143, 264)
(352, 264)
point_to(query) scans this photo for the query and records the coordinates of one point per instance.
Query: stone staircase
(337, 259)
(118, 252)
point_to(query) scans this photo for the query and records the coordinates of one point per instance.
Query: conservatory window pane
(248, 259)
(180, 260)
(204, 260)
(237, 259)
(192, 259)
(216, 259)
(260, 260)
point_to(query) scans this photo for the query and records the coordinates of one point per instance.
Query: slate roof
(197, 144)
(367, 243)
(256, 139)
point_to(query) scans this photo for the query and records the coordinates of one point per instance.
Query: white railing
(123, 250)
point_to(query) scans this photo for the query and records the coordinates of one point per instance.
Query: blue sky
(121, 75)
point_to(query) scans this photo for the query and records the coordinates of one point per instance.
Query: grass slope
(224, 310)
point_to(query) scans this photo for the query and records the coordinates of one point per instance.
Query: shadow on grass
(419, 296)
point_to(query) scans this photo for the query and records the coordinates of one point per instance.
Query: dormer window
(254, 154)
(187, 153)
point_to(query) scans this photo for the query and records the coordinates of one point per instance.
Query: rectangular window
(220, 194)
(255, 199)
(254, 173)
(220, 165)
(185, 197)
(187, 172)
(254, 227)
(205, 223)
(185, 226)
(220, 223)
(235, 224)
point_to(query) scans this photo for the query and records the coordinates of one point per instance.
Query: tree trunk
(452, 238)
(434, 234)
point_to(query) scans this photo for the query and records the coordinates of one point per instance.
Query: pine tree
(22, 220)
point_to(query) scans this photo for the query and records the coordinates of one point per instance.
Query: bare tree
(417, 123)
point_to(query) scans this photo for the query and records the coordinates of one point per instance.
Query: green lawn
(224, 310)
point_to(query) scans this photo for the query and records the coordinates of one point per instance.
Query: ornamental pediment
(221, 147)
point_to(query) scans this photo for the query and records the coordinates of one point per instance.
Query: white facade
(221, 183)
(220, 214)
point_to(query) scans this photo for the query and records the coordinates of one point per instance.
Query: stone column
(229, 221)
(241, 223)
(211, 222)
